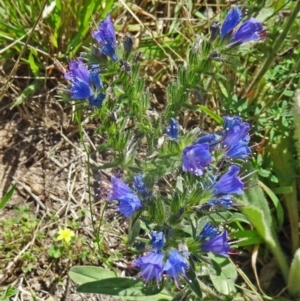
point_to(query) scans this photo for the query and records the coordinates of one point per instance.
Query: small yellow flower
(65, 234)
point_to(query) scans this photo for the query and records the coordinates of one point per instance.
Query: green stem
(275, 48)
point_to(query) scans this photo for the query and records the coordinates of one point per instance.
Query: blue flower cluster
(250, 30)
(231, 143)
(85, 81)
(152, 264)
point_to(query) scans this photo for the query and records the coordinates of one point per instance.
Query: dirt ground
(40, 151)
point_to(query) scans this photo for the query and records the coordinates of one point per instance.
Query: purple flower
(234, 131)
(248, 31)
(223, 202)
(80, 90)
(140, 187)
(157, 240)
(77, 71)
(232, 19)
(240, 150)
(128, 201)
(211, 139)
(83, 82)
(175, 265)
(231, 122)
(151, 266)
(236, 137)
(173, 129)
(208, 232)
(196, 158)
(106, 37)
(217, 245)
(229, 182)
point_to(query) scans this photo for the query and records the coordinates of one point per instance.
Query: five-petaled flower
(236, 138)
(250, 30)
(229, 183)
(65, 234)
(128, 200)
(151, 266)
(232, 19)
(217, 244)
(106, 37)
(196, 158)
(175, 266)
(208, 231)
(85, 84)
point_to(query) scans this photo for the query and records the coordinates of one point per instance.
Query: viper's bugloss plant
(175, 180)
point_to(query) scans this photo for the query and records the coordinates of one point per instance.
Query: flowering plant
(178, 194)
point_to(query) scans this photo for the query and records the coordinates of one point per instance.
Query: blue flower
(223, 202)
(240, 150)
(229, 182)
(84, 82)
(236, 137)
(80, 90)
(208, 232)
(157, 240)
(173, 129)
(94, 75)
(77, 71)
(232, 19)
(140, 187)
(196, 158)
(151, 266)
(96, 101)
(175, 265)
(211, 139)
(106, 37)
(217, 245)
(128, 201)
(248, 31)
(234, 131)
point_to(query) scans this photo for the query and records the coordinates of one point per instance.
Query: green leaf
(223, 282)
(213, 115)
(7, 196)
(26, 92)
(193, 282)
(119, 287)
(257, 211)
(276, 202)
(133, 231)
(33, 66)
(246, 237)
(9, 292)
(294, 276)
(283, 190)
(84, 274)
